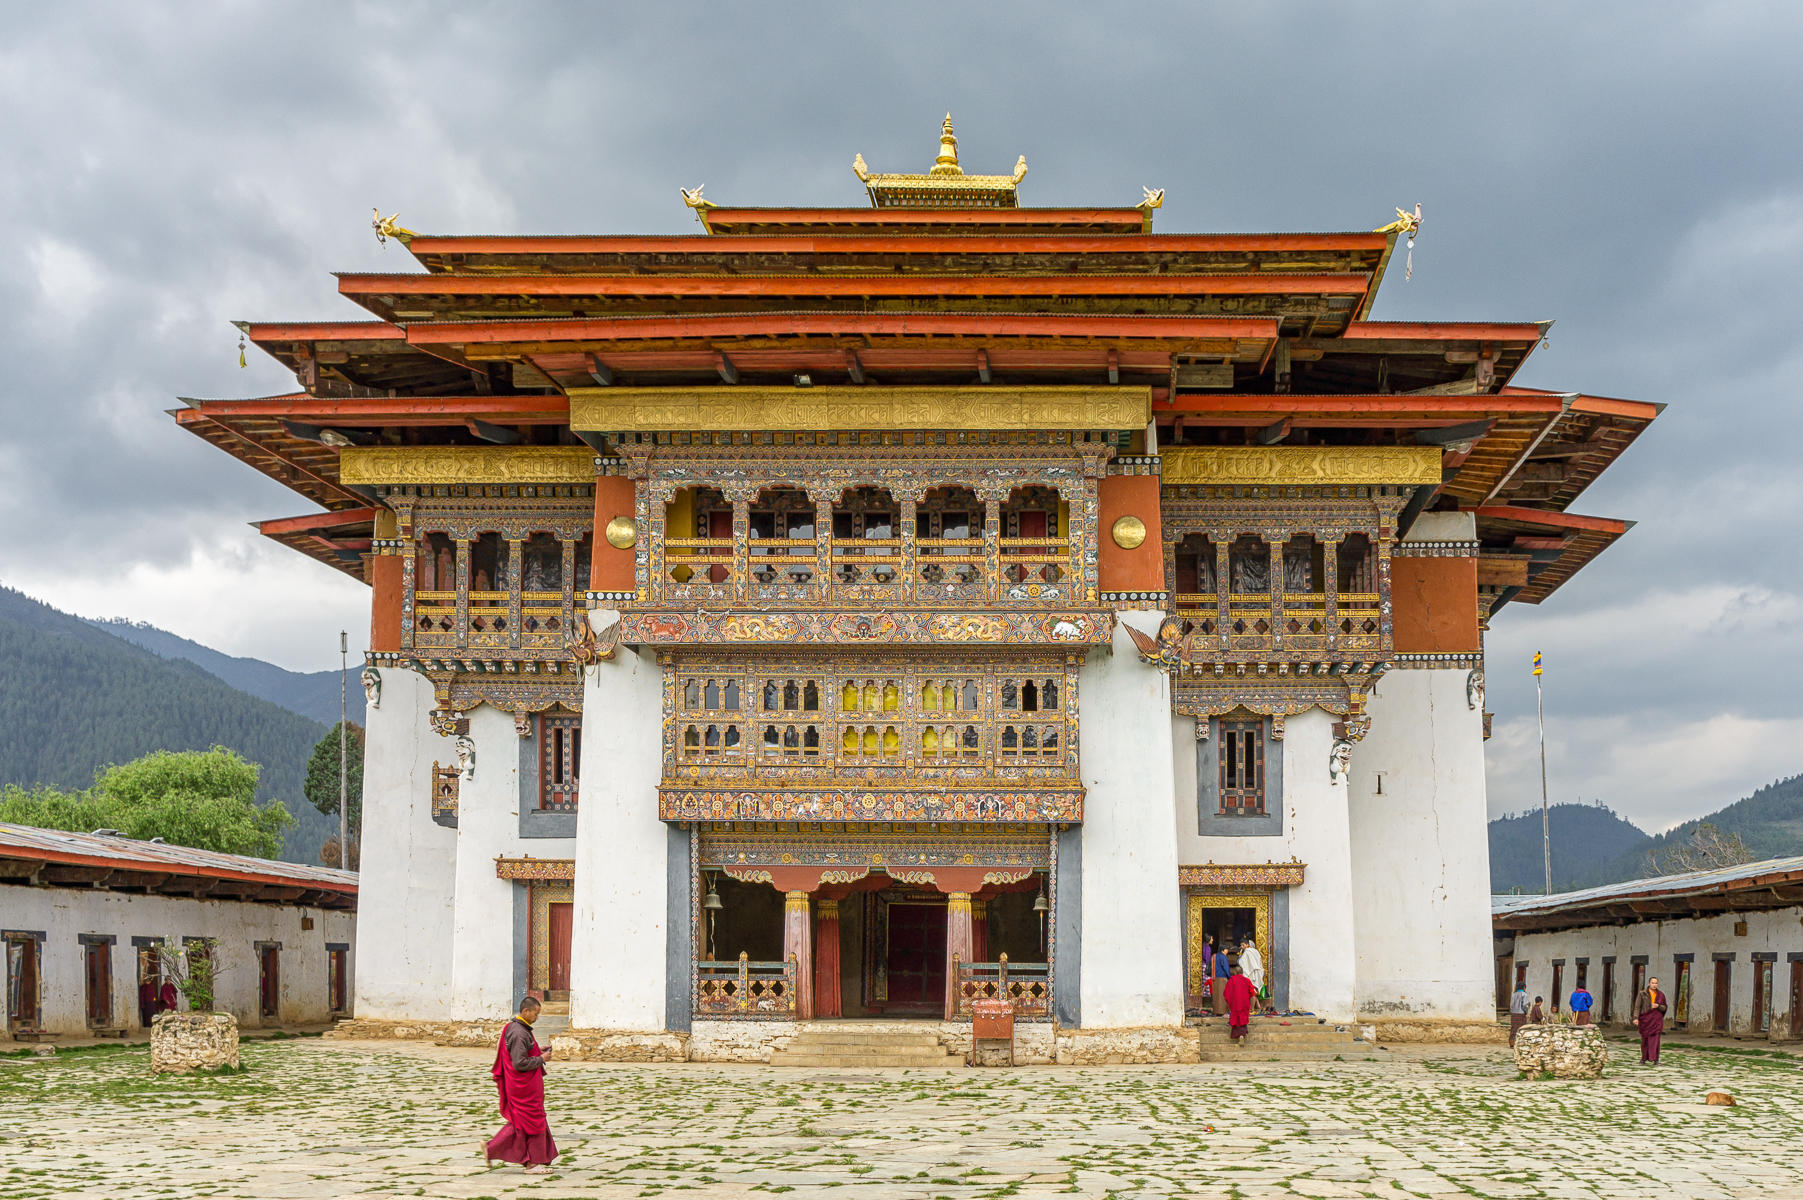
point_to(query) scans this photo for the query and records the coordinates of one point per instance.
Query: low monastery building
(82, 917)
(805, 617)
(1726, 945)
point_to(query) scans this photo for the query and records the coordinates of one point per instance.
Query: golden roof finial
(947, 162)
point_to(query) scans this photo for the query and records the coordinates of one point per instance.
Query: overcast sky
(1635, 173)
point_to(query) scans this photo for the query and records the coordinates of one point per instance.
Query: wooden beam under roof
(427, 246)
(526, 408)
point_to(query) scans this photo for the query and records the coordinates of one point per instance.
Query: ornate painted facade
(809, 616)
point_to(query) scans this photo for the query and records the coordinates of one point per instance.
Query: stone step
(549, 1026)
(850, 1038)
(1297, 1036)
(1255, 1053)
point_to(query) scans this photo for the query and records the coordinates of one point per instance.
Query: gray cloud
(1626, 170)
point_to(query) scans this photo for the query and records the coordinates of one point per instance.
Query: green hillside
(74, 698)
(1585, 837)
(311, 693)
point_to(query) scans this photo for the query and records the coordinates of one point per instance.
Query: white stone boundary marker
(188, 1041)
(1563, 1051)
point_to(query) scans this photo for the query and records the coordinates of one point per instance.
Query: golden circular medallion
(623, 533)
(1129, 533)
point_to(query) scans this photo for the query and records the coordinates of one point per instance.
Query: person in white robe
(1253, 964)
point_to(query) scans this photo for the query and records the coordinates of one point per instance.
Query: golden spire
(945, 185)
(947, 162)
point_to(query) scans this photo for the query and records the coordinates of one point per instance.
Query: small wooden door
(1796, 998)
(269, 982)
(1608, 991)
(719, 525)
(335, 982)
(1502, 984)
(1639, 981)
(1762, 997)
(1723, 977)
(1558, 985)
(22, 983)
(1521, 976)
(560, 922)
(99, 961)
(916, 957)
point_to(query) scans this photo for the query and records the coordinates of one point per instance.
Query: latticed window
(559, 761)
(1242, 755)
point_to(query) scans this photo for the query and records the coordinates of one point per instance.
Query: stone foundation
(738, 1041)
(1432, 1030)
(1563, 1051)
(448, 1033)
(184, 1041)
(599, 1045)
(1151, 1044)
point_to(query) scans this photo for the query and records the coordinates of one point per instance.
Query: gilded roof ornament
(1154, 198)
(386, 228)
(945, 184)
(694, 199)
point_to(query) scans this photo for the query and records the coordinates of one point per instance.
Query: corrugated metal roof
(1720, 879)
(125, 853)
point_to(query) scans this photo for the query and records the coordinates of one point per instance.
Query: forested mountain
(1585, 837)
(74, 698)
(1592, 846)
(311, 694)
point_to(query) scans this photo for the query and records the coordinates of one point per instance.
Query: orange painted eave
(1552, 520)
(323, 331)
(158, 867)
(348, 408)
(1609, 406)
(790, 324)
(313, 521)
(1445, 331)
(1134, 217)
(807, 285)
(1297, 405)
(900, 243)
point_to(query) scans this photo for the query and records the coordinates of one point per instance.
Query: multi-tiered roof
(1243, 339)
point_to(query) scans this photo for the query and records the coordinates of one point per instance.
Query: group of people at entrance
(1649, 1014)
(1235, 983)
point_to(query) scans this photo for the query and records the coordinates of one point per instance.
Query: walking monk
(1239, 1004)
(520, 1075)
(1649, 1014)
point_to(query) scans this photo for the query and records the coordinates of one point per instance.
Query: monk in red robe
(520, 1077)
(1239, 1004)
(1649, 1014)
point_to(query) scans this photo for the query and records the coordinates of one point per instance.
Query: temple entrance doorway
(1227, 918)
(912, 955)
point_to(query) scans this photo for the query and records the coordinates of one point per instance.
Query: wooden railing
(1349, 622)
(1027, 985)
(745, 990)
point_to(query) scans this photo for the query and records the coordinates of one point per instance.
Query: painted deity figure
(1339, 761)
(466, 755)
(372, 687)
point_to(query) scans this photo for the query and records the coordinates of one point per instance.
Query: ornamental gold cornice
(740, 409)
(370, 465)
(1301, 465)
(534, 868)
(1269, 874)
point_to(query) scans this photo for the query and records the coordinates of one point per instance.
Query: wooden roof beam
(440, 335)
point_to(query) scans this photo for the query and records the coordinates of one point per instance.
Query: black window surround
(1210, 821)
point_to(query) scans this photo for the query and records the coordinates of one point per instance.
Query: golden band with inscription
(1300, 465)
(465, 464)
(736, 409)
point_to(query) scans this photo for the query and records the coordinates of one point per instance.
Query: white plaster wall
(1779, 931)
(617, 967)
(1132, 971)
(1421, 852)
(408, 879)
(64, 914)
(488, 824)
(1321, 925)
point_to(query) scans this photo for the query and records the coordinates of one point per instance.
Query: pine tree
(321, 788)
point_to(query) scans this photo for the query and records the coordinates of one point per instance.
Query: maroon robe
(1650, 1016)
(167, 998)
(1240, 993)
(520, 1079)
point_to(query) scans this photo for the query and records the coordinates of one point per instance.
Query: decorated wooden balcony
(1027, 986)
(746, 990)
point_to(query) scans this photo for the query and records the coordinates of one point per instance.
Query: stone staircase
(553, 1019)
(1304, 1039)
(860, 1044)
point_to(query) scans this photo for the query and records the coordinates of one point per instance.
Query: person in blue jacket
(1581, 1003)
(1222, 969)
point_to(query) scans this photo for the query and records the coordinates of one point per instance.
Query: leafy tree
(200, 798)
(1707, 848)
(321, 787)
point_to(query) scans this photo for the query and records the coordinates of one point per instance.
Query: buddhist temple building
(854, 612)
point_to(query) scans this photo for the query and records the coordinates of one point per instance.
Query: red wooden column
(796, 944)
(826, 960)
(979, 931)
(957, 946)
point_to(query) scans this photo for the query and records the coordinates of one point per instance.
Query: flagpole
(1546, 837)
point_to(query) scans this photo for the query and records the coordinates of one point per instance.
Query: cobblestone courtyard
(328, 1119)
